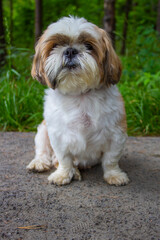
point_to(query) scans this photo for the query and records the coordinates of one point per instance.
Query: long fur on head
(96, 62)
(112, 64)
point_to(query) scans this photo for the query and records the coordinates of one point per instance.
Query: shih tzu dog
(84, 115)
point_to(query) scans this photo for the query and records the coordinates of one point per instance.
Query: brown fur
(105, 56)
(37, 71)
(97, 51)
(103, 52)
(43, 49)
(111, 62)
(123, 123)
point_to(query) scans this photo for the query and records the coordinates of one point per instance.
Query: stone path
(84, 210)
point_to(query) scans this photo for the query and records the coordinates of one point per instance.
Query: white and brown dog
(84, 115)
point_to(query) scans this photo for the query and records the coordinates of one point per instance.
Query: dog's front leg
(112, 172)
(65, 171)
(43, 151)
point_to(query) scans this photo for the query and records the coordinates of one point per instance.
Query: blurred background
(134, 27)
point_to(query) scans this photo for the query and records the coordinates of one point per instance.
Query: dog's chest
(81, 121)
(85, 120)
(79, 124)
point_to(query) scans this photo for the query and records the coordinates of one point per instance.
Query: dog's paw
(77, 175)
(39, 165)
(60, 177)
(117, 178)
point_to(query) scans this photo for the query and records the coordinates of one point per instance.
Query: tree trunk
(109, 18)
(11, 21)
(38, 19)
(125, 26)
(2, 37)
(158, 18)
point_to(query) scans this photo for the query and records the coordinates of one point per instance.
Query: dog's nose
(70, 52)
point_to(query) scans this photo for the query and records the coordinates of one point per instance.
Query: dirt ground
(89, 209)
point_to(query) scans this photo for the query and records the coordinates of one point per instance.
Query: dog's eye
(55, 45)
(88, 46)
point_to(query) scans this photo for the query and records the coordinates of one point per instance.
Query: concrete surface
(89, 209)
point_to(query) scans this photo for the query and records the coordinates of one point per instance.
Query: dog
(84, 114)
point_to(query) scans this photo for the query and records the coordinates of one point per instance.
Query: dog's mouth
(70, 64)
(69, 67)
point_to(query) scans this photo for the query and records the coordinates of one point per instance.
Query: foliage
(23, 16)
(141, 92)
(21, 97)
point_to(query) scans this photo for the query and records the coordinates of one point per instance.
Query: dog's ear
(37, 71)
(40, 56)
(111, 62)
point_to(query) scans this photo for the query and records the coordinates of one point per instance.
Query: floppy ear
(111, 63)
(37, 71)
(40, 56)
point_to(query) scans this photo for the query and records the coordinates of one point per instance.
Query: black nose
(70, 52)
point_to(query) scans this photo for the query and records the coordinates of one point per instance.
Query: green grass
(142, 101)
(21, 97)
(21, 105)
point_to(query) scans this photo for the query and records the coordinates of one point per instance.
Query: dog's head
(75, 56)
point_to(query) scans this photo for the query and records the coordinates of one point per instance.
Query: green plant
(21, 97)
(142, 100)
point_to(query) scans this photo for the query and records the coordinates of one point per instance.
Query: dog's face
(75, 56)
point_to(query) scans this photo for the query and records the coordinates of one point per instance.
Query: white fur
(73, 26)
(78, 125)
(82, 117)
(73, 82)
(84, 128)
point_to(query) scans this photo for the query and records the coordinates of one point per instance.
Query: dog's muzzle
(70, 62)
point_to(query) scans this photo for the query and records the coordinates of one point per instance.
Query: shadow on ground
(89, 209)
